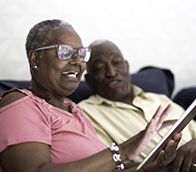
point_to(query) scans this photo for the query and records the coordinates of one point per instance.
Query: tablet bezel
(187, 116)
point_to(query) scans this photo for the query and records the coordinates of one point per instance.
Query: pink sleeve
(24, 121)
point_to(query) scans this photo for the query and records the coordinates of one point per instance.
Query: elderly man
(119, 110)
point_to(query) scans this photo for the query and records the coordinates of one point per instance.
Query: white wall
(149, 32)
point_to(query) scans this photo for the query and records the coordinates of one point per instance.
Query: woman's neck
(43, 93)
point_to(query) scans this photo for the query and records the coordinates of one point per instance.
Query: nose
(111, 71)
(75, 60)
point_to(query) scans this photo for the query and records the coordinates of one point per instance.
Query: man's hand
(185, 158)
(163, 161)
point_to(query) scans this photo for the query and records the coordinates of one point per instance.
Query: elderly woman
(42, 131)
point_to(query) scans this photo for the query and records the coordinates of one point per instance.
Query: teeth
(72, 74)
(114, 82)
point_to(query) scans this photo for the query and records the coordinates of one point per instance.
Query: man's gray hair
(97, 42)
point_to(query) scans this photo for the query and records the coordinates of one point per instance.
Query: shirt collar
(97, 99)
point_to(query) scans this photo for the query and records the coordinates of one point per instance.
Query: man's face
(109, 72)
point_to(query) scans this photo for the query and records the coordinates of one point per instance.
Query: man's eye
(118, 62)
(99, 68)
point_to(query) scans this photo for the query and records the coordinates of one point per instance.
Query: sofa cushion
(8, 84)
(150, 79)
(185, 97)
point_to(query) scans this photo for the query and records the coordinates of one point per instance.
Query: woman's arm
(35, 157)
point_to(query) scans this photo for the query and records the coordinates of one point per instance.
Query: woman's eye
(63, 56)
(82, 57)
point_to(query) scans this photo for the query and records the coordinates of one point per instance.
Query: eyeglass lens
(66, 52)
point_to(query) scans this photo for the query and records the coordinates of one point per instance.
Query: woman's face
(60, 77)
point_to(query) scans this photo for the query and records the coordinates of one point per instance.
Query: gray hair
(40, 34)
(97, 42)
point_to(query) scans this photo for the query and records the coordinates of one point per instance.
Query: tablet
(188, 115)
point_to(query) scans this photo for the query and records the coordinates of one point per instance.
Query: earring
(35, 67)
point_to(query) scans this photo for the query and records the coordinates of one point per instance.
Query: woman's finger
(167, 124)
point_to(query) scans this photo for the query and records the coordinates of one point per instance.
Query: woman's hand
(135, 145)
(163, 162)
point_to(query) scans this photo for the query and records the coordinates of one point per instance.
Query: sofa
(185, 97)
(150, 79)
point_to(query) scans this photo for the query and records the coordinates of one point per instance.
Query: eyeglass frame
(74, 50)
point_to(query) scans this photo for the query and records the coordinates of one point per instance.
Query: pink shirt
(70, 135)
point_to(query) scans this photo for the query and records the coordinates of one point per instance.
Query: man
(119, 110)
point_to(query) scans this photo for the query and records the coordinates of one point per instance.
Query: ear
(33, 59)
(127, 64)
(88, 79)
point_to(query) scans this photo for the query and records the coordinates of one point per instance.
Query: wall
(153, 32)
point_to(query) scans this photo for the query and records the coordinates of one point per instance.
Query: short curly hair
(40, 34)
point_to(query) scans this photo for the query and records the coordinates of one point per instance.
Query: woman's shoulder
(10, 97)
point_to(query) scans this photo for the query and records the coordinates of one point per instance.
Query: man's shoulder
(91, 100)
(164, 100)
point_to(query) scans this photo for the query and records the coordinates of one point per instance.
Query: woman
(42, 131)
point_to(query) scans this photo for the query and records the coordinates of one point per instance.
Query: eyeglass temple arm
(47, 47)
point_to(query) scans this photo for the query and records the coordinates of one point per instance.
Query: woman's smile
(71, 75)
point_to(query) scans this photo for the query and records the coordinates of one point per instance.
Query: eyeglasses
(65, 52)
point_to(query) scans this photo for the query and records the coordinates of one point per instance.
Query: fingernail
(172, 142)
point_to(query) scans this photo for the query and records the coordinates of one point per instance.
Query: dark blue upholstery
(150, 79)
(185, 96)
